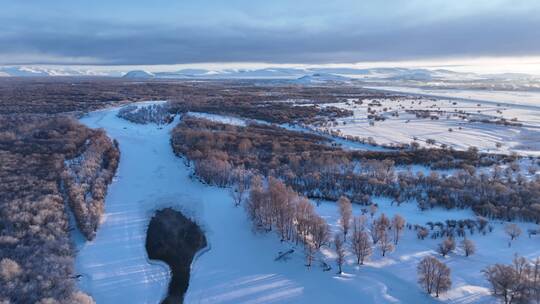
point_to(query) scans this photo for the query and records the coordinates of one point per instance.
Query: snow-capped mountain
(318, 78)
(139, 74)
(408, 77)
(36, 71)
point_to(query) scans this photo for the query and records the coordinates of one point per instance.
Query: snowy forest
(51, 167)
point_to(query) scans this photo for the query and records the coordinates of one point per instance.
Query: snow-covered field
(239, 265)
(450, 128)
(527, 98)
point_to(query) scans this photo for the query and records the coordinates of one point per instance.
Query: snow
(407, 127)
(220, 118)
(238, 266)
(529, 98)
(139, 74)
(469, 285)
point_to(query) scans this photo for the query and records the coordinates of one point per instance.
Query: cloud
(43, 40)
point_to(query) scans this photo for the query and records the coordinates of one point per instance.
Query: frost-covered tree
(320, 232)
(468, 247)
(513, 232)
(9, 269)
(398, 222)
(345, 211)
(373, 209)
(385, 242)
(447, 246)
(309, 250)
(379, 227)
(422, 233)
(361, 246)
(510, 283)
(433, 276)
(239, 190)
(340, 252)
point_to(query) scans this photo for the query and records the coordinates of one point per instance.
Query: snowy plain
(449, 128)
(238, 266)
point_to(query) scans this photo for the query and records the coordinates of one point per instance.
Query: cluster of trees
(85, 179)
(36, 260)
(158, 114)
(314, 168)
(272, 205)
(518, 282)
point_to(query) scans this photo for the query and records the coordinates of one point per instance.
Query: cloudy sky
(166, 32)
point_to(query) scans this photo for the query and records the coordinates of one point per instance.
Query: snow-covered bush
(156, 113)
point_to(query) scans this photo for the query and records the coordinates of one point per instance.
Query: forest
(318, 170)
(38, 181)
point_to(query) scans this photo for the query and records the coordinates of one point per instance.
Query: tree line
(316, 169)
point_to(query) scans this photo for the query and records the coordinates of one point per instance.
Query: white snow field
(531, 98)
(449, 129)
(239, 266)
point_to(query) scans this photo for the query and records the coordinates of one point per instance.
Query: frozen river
(239, 265)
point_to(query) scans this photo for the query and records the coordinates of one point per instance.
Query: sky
(277, 32)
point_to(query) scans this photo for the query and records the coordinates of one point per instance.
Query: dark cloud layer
(124, 42)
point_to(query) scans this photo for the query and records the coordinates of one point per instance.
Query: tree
(373, 209)
(9, 269)
(433, 276)
(361, 246)
(506, 283)
(442, 279)
(309, 250)
(320, 232)
(513, 232)
(398, 222)
(422, 233)
(238, 191)
(385, 241)
(378, 227)
(340, 251)
(535, 280)
(447, 246)
(468, 247)
(345, 211)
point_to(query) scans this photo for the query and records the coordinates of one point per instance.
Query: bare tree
(442, 279)
(340, 251)
(361, 246)
(385, 241)
(513, 232)
(359, 223)
(378, 227)
(240, 178)
(309, 250)
(398, 222)
(373, 209)
(468, 247)
(422, 233)
(237, 193)
(447, 246)
(345, 211)
(535, 281)
(320, 232)
(9, 269)
(507, 283)
(433, 276)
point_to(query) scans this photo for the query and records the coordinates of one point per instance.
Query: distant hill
(318, 78)
(139, 74)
